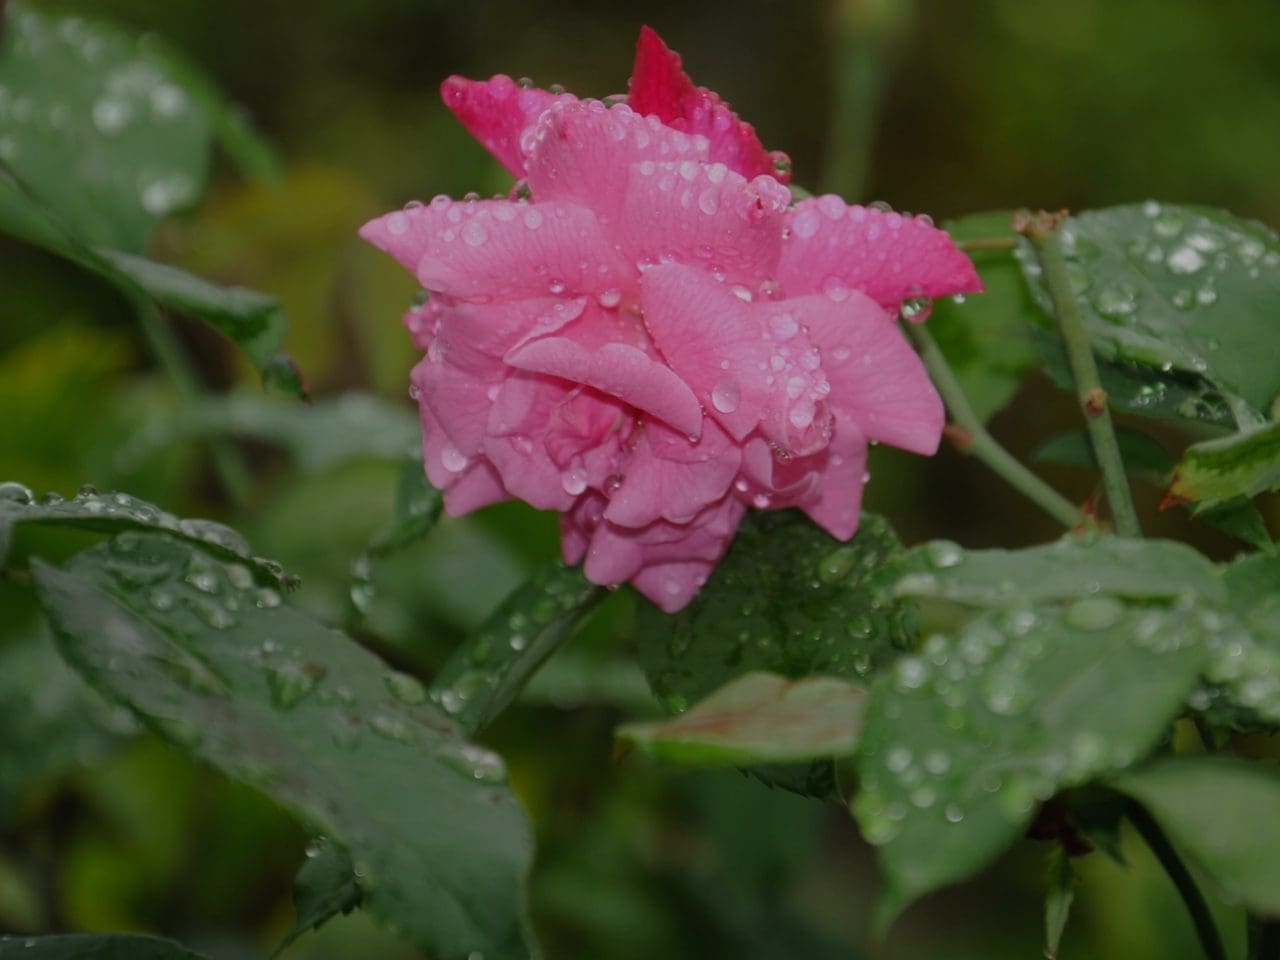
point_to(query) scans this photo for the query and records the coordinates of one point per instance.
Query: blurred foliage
(980, 105)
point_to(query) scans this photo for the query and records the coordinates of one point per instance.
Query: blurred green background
(932, 106)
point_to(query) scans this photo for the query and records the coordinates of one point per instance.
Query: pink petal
(708, 335)
(877, 381)
(833, 248)
(515, 442)
(618, 369)
(774, 483)
(704, 213)
(667, 477)
(496, 112)
(478, 487)
(476, 336)
(660, 87)
(582, 153)
(501, 250)
(670, 586)
(448, 469)
(842, 470)
(797, 417)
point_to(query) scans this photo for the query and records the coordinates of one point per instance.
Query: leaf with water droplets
(1244, 670)
(1188, 293)
(325, 886)
(1067, 568)
(759, 718)
(1222, 812)
(124, 514)
(93, 946)
(987, 338)
(490, 669)
(787, 599)
(962, 741)
(302, 712)
(1242, 465)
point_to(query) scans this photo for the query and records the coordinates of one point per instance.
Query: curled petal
(660, 87)
(877, 381)
(709, 337)
(666, 477)
(836, 504)
(496, 112)
(620, 370)
(832, 248)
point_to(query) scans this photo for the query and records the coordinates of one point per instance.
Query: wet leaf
(1057, 901)
(1220, 811)
(120, 513)
(1241, 465)
(962, 741)
(1188, 293)
(759, 718)
(303, 713)
(490, 669)
(786, 599)
(326, 886)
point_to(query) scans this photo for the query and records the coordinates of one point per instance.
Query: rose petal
(496, 112)
(667, 477)
(660, 87)
(705, 214)
(832, 248)
(877, 380)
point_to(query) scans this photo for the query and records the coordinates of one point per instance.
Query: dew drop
(452, 458)
(726, 395)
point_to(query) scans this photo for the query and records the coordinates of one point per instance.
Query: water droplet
(1116, 301)
(12, 492)
(837, 564)
(1186, 259)
(726, 395)
(942, 554)
(406, 688)
(610, 298)
(1095, 613)
(452, 459)
(292, 681)
(474, 233)
(111, 115)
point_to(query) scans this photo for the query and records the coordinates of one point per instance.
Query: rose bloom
(650, 337)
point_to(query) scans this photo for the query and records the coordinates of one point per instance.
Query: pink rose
(658, 339)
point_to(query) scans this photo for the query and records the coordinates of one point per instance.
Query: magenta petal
(703, 213)
(660, 87)
(711, 340)
(667, 477)
(478, 487)
(877, 380)
(496, 112)
(833, 248)
(620, 370)
(670, 586)
(582, 152)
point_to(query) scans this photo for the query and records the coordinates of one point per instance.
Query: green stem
(981, 444)
(981, 244)
(864, 34)
(1084, 371)
(1201, 918)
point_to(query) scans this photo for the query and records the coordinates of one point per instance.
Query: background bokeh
(930, 105)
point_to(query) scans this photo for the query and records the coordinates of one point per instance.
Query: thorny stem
(1043, 234)
(981, 444)
(1201, 918)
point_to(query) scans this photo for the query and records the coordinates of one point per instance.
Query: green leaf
(120, 513)
(418, 506)
(1057, 901)
(1241, 465)
(1067, 568)
(962, 741)
(1245, 665)
(253, 321)
(326, 886)
(488, 672)
(86, 104)
(1238, 517)
(1141, 453)
(93, 946)
(987, 338)
(787, 599)
(759, 718)
(302, 712)
(52, 722)
(1185, 290)
(319, 436)
(1222, 813)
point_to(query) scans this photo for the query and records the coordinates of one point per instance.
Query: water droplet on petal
(726, 395)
